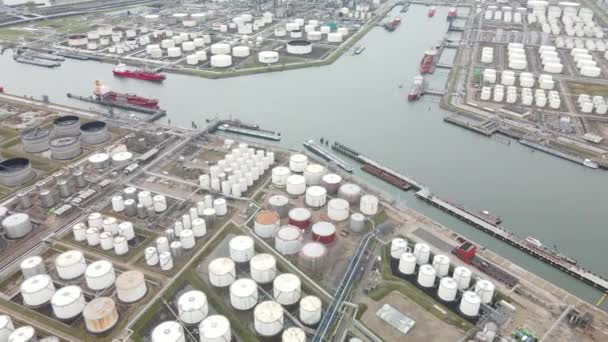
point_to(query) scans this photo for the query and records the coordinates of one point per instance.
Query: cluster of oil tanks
(237, 171)
(302, 34)
(186, 229)
(9, 333)
(245, 294)
(597, 104)
(141, 204)
(106, 233)
(434, 273)
(69, 302)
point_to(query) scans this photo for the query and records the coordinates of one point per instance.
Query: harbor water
(357, 101)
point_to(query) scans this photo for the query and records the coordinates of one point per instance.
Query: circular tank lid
(15, 220)
(310, 303)
(168, 331)
(92, 231)
(105, 235)
(221, 266)
(289, 233)
(298, 158)
(448, 283)
(296, 179)
(95, 216)
(332, 178)
(66, 295)
(36, 283)
(422, 247)
(316, 190)
(314, 250)
(323, 228)
(287, 282)
(63, 141)
(219, 201)
(99, 268)
(66, 120)
(99, 158)
(36, 133)
(314, 168)
(93, 126)
(268, 311)
(31, 262)
(485, 285)
(471, 297)
(267, 217)
(338, 204)
(263, 261)
(120, 239)
(293, 334)
(281, 170)
(192, 301)
(122, 156)
(357, 217)
(300, 214)
(441, 259)
(69, 258)
(241, 242)
(24, 333)
(369, 198)
(278, 200)
(209, 212)
(110, 219)
(408, 257)
(427, 269)
(77, 36)
(243, 287)
(350, 188)
(13, 164)
(214, 326)
(462, 271)
(79, 226)
(99, 308)
(186, 233)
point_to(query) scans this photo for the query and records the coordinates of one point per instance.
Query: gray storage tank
(94, 132)
(65, 148)
(36, 140)
(16, 171)
(46, 198)
(66, 126)
(17, 225)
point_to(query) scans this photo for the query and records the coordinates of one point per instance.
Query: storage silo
(126, 229)
(357, 222)
(288, 240)
(241, 248)
(287, 289)
(36, 140)
(268, 57)
(422, 251)
(159, 202)
(300, 217)
(324, 232)
(94, 132)
(32, 266)
(369, 205)
(222, 272)
(448, 288)
(110, 225)
(100, 315)
(121, 246)
(462, 275)
(279, 204)
(313, 256)
(192, 307)
(24, 333)
(66, 126)
(70, 265)
(441, 263)
(263, 268)
(17, 225)
(186, 237)
(316, 196)
(6, 327)
(268, 318)
(331, 182)
(280, 175)
(470, 304)
(92, 237)
(313, 173)
(131, 286)
(47, 200)
(151, 256)
(485, 289)
(121, 158)
(176, 249)
(199, 227)
(215, 328)
(100, 160)
(295, 185)
(65, 148)
(266, 223)
(338, 209)
(407, 263)
(426, 276)
(168, 331)
(106, 241)
(298, 162)
(350, 192)
(37, 290)
(68, 302)
(221, 61)
(243, 294)
(293, 334)
(79, 231)
(220, 206)
(16, 171)
(100, 275)
(310, 310)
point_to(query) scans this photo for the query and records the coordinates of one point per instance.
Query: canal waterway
(357, 101)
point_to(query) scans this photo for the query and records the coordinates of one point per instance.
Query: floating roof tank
(65, 148)
(36, 140)
(94, 132)
(15, 172)
(67, 125)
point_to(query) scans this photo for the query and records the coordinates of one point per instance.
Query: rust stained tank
(100, 315)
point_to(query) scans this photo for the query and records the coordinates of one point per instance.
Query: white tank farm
(266, 223)
(263, 268)
(68, 302)
(168, 331)
(280, 174)
(293, 334)
(298, 162)
(240, 51)
(131, 286)
(25, 333)
(350, 192)
(268, 318)
(331, 182)
(37, 290)
(407, 263)
(310, 310)
(313, 173)
(192, 307)
(448, 287)
(470, 303)
(121, 247)
(316, 196)
(462, 276)
(100, 275)
(221, 61)
(215, 328)
(485, 289)
(441, 263)
(165, 260)
(338, 209)
(287, 289)
(222, 272)
(241, 248)
(243, 294)
(151, 256)
(295, 185)
(79, 231)
(426, 276)
(268, 57)
(422, 251)
(288, 240)
(32, 266)
(70, 265)
(369, 205)
(6, 327)
(398, 247)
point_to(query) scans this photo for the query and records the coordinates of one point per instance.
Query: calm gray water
(356, 101)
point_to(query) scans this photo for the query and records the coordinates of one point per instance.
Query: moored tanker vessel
(393, 24)
(426, 64)
(103, 93)
(147, 75)
(417, 88)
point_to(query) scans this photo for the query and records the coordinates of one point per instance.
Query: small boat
(452, 13)
(416, 89)
(432, 11)
(590, 163)
(359, 49)
(393, 24)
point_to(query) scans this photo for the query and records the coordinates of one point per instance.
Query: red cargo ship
(452, 13)
(416, 89)
(148, 75)
(103, 93)
(432, 11)
(428, 60)
(393, 24)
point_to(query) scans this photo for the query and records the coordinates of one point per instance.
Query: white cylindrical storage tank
(159, 202)
(215, 328)
(422, 251)
(95, 220)
(165, 260)
(118, 203)
(121, 246)
(192, 59)
(24, 333)
(279, 204)
(199, 227)
(263, 268)
(448, 288)
(241, 248)
(288, 240)
(350, 192)
(331, 182)
(79, 230)
(131, 286)
(186, 237)
(462, 276)
(296, 185)
(37, 290)
(316, 196)
(266, 223)
(268, 318)
(313, 173)
(110, 225)
(338, 209)
(151, 256)
(100, 275)
(407, 263)
(280, 175)
(222, 272)
(162, 244)
(32, 266)
(126, 229)
(220, 49)
(398, 247)
(92, 235)
(168, 331)
(310, 310)
(243, 294)
(287, 289)
(192, 307)
(426, 276)
(470, 304)
(298, 162)
(441, 263)
(68, 302)
(293, 334)
(220, 206)
(485, 289)
(334, 37)
(240, 51)
(174, 52)
(6, 327)
(369, 205)
(106, 241)
(268, 57)
(70, 265)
